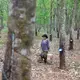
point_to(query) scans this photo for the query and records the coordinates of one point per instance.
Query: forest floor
(41, 71)
(3, 41)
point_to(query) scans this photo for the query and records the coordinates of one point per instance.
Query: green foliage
(43, 11)
(5, 30)
(4, 10)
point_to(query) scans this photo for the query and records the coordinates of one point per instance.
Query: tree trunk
(71, 42)
(50, 37)
(73, 24)
(77, 33)
(36, 30)
(58, 24)
(21, 24)
(62, 35)
(58, 34)
(62, 53)
(7, 65)
(51, 20)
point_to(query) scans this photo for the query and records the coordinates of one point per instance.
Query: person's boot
(45, 61)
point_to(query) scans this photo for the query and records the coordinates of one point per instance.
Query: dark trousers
(44, 56)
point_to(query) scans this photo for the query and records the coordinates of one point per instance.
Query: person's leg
(40, 58)
(45, 57)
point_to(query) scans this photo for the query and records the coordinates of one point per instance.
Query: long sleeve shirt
(45, 45)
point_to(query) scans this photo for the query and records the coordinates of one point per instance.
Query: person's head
(44, 36)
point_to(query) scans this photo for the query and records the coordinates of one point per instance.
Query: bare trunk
(77, 33)
(62, 35)
(58, 34)
(36, 33)
(21, 20)
(51, 20)
(62, 53)
(58, 24)
(70, 42)
(7, 62)
(73, 25)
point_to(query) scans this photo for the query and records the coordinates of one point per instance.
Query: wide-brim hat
(45, 35)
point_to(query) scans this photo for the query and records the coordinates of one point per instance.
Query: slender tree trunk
(51, 20)
(76, 14)
(7, 65)
(70, 42)
(58, 24)
(36, 33)
(55, 19)
(62, 35)
(77, 19)
(67, 22)
(58, 33)
(78, 32)
(62, 53)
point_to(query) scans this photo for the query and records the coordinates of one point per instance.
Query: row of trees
(61, 16)
(48, 15)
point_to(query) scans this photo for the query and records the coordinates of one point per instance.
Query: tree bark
(58, 24)
(21, 24)
(62, 53)
(36, 31)
(62, 35)
(70, 42)
(51, 20)
(78, 32)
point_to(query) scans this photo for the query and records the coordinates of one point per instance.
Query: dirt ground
(3, 40)
(1, 76)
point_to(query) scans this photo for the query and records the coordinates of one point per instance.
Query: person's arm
(48, 44)
(41, 45)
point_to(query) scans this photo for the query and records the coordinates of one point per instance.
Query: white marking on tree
(24, 52)
(21, 16)
(33, 19)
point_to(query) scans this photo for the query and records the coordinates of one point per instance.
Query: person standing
(45, 48)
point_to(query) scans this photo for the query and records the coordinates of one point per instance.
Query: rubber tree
(36, 31)
(17, 64)
(77, 20)
(51, 7)
(62, 35)
(78, 28)
(57, 14)
(71, 42)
